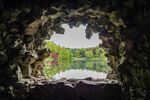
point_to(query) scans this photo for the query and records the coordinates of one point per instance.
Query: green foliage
(50, 70)
(67, 53)
(64, 54)
(90, 58)
(89, 54)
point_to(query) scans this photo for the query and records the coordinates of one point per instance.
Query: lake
(75, 69)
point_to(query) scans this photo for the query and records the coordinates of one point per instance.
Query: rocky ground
(85, 89)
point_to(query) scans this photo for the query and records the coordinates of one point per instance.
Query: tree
(77, 54)
(89, 54)
(82, 52)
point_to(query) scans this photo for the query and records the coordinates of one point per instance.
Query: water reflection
(77, 69)
(80, 74)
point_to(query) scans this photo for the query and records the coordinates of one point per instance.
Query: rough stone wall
(77, 90)
(123, 27)
(135, 71)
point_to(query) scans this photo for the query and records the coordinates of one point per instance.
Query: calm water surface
(80, 74)
(77, 69)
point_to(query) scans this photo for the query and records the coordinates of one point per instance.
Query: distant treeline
(69, 53)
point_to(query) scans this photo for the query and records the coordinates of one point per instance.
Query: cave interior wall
(123, 27)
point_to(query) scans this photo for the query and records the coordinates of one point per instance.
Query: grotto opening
(26, 24)
(73, 56)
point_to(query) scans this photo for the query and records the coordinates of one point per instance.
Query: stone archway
(107, 24)
(25, 25)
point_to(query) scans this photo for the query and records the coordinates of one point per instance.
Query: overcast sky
(75, 38)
